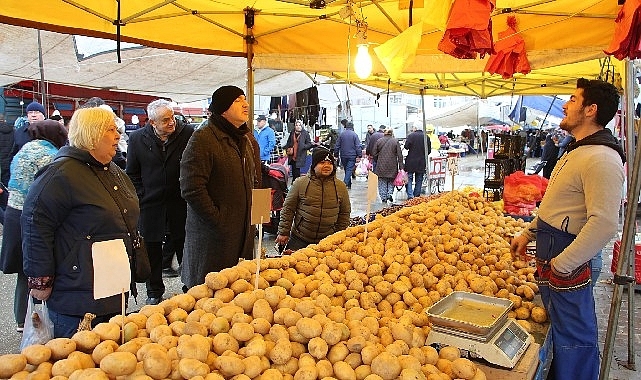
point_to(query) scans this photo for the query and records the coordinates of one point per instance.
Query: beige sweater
(586, 187)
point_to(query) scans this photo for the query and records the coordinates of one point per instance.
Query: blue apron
(569, 302)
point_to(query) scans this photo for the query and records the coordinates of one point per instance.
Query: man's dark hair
(93, 102)
(603, 94)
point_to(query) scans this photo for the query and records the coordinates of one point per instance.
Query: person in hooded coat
(47, 136)
(217, 176)
(316, 206)
(415, 161)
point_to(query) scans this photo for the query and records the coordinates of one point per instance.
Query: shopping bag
(38, 328)
(362, 167)
(401, 178)
(400, 194)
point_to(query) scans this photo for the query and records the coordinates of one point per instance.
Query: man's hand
(282, 239)
(42, 295)
(518, 246)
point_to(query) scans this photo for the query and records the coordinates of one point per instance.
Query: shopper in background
(316, 206)
(415, 161)
(81, 198)
(348, 148)
(369, 133)
(153, 164)
(21, 136)
(47, 136)
(550, 154)
(578, 216)
(266, 138)
(217, 175)
(389, 160)
(6, 148)
(372, 142)
(296, 148)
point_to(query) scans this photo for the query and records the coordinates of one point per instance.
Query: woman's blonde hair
(88, 125)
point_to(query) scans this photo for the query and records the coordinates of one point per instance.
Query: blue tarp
(539, 103)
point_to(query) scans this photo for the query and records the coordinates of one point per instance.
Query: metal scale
(479, 325)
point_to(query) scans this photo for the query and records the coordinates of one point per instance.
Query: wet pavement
(471, 173)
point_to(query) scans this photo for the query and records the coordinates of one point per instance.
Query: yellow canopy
(291, 35)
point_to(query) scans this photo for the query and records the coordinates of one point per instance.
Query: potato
(463, 368)
(36, 354)
(450, 353)
(318, 347)
(538, 314)
(84, 359)
(189, 368)
(223, 342)
(271, 374)
(108, 331)
(88, 374)
(242, 331)
(309, 372)
(253, 366)
(386, 365)
(86, 340)
(11, 364)
(229, 365)
(200, 291)
(309, 328)
(281, 352)
(194, 347)
(61, 347)
(119, 363)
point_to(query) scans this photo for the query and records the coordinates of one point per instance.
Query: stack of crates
(508, 157)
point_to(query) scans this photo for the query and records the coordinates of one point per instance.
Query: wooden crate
(525, 368)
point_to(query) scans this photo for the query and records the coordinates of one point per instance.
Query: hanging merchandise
(510, 56)
(469, 29)
(313, 105)
(626, 42)
(399, 52)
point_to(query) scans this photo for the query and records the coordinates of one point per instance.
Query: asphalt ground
(471, 173)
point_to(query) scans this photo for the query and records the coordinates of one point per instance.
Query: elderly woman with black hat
(316, 206)
(218, 171)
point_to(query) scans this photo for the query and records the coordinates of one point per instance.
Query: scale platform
(503, 346)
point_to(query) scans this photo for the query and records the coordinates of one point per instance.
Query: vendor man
(577, 217)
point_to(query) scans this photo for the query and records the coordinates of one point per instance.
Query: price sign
(452, 165)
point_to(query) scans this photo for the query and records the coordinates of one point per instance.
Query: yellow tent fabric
(290, 35)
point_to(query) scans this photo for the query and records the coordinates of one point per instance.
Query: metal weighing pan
(470, 312)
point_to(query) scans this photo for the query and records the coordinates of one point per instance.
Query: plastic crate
(517, 164)
(502, 145)
(496, 170)
(493, 194)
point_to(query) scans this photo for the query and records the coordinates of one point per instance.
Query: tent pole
(43, 87)
(426, 145)
(249, 41)
(627, 243)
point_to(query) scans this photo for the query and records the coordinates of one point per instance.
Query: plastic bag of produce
(38, 328)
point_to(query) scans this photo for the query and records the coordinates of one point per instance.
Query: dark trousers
(155, 286)
(64, 325)
(295, 171)
(171, 246)
(20, 298)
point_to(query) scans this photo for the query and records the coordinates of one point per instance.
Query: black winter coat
(217, 175)
(154, 169)
(389, 157)
(415, 145)
(304, 144)
(67, 210)
(6, 148)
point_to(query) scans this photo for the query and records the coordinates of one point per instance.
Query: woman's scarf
(295, 146)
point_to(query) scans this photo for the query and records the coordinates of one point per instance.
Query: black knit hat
(322, 154)
(223, 98)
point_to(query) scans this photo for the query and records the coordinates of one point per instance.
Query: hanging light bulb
(363, 62)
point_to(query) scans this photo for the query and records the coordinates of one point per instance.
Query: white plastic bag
(400, 194)
(38, 328)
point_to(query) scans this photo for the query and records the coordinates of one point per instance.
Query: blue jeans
(349, 163)
(414, 187)
(64, 325)
(596, 264)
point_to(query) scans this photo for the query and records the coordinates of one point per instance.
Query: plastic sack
(401, 178)
(399, 195)
(38, 328)
(363, 167)
(521, 188)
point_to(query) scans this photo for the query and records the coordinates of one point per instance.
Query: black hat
(223, 98)
(261, 117)
(322, 154)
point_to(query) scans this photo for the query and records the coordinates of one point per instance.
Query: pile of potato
(351, 307)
